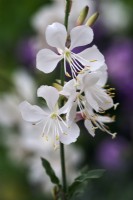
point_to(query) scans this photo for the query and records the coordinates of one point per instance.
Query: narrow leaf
(50, 172)
(92, 174)
(80, 181)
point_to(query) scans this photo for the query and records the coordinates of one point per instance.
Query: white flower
(93, 121)
(97, 97)
(59, 129)
(88, 89)
(56, 36)
(87, 93)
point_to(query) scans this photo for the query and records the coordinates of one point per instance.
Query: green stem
(62, 74)
(67, 12)
(62, 150)
(64, 181)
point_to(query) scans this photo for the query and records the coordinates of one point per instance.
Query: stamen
(65, 64)
(37, 123)
(81, 72)
(73, 73)
(60, 128)
(93, 60)
(46, 137)
(82, 59)
(103, 128)
(63, 121)
(76, 64)
(111, 89)
(115, 106)
(106, 86)
(71, 66)
(101, 110)
(57, 137)
(68, 75)
(43, 131)
(113, 118)
(74, 68)
(81, 108)
(114, 135)
(94, 128)
(55, 133)
(56, 146)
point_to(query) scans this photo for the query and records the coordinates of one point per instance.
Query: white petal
(104, 75)
(91, 101)
(70, 134)
(91, 79)
(80, 36)
(93, 56)
(71, 115)
(89, 127)
(31, 113)
(68, 88)
(104, 119)
(107, 104)
(50, 94)
(66, 108)
(47, 60)
(103, 68)
(103, 99)
(56, 35)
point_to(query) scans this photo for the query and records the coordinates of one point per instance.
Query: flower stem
(67, 12)
(62, 150)
(64, 182)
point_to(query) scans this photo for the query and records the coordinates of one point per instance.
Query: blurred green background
(19, 42)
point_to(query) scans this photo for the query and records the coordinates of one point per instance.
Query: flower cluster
(84, 96)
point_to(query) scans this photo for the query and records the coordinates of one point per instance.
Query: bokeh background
(22, 34)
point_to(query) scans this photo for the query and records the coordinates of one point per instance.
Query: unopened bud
(92, 19)
(82, 16)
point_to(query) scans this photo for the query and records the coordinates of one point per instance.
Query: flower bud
(92, 19)
(82, 16)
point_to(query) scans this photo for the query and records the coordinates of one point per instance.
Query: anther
(68, 75)
(114, 135)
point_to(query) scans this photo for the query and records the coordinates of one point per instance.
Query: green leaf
(97, 173)
(50, 172)
(81, 181)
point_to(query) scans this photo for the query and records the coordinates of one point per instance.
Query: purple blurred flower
(111, 154)
(119, 58)
(26, 52)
